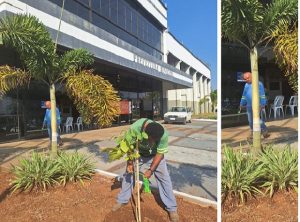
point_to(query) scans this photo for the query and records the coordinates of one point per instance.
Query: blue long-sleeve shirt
(47, 118)
(246, 99)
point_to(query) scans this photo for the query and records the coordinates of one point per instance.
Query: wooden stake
(138, 185)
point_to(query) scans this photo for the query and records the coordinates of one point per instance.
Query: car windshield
(178, 109)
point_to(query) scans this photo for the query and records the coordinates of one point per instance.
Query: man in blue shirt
(246, 101)
(47, 121)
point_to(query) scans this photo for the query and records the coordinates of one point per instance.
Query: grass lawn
(205, 116)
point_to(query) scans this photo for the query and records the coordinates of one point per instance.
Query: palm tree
(214, 99)
(286, 51)
(250, 23)
(93, 96)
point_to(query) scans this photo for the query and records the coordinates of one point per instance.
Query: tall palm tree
(94, 97)
(250, 23)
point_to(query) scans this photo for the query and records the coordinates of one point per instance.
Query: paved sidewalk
(10, 152)
(282, 132)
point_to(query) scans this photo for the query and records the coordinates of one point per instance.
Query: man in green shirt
(152, 162)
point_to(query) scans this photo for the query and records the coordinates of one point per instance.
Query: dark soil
(283, 207)
(91, 202)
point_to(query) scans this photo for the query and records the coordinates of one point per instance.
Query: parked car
(178, 114)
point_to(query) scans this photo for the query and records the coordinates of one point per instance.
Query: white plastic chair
(293, 103)
(79, 123)
(277, 106)
(68, 124)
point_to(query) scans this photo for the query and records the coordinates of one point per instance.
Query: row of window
(121, 20)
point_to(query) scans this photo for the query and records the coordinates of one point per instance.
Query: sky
(194, 23)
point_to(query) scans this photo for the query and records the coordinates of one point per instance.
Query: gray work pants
(163, 180)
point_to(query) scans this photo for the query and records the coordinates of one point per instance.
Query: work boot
(117, 206)
(265, 134)
(173, 215)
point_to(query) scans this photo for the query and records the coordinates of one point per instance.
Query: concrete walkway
(9, 152)
(282, 132)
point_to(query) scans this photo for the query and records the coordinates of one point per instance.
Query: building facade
(132, 49)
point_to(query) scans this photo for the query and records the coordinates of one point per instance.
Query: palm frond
(285, 48)
(240, 20)
(30, 38)
(279, 11)
(94, 97)
(75, 59)
(11, 78)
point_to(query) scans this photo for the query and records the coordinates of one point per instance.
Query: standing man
(152, 162)
(246, 101)
(47, 121)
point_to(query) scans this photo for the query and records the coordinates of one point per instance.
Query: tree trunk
(53, 121)
(255, 101)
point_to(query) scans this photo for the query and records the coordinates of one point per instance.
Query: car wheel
(190, 121)
(165, 122)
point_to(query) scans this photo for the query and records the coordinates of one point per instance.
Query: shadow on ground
(10, 152)
(280, 134)
(193, 175)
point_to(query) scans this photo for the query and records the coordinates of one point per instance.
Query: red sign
(125, 107)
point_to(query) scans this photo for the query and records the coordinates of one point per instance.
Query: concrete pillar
(178, 65)
(202, 109)
(208, 93)
(196, 86)
(178, 97)
(205, 94)
(164, 46)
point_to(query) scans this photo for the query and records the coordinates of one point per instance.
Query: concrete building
(132, 49)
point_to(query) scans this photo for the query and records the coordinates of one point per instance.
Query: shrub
(280, 169)
(38, 171)
(240, 175)
(74, 167)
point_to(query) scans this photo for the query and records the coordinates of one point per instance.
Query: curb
(199, 200)
(205, 120)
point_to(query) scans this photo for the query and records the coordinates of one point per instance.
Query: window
(134, 23)
(113, 11)
(121, 14)
(105, 8)
(128, 19)
(71, 6)
(96, 5)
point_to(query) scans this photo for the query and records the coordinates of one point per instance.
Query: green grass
(205, 116)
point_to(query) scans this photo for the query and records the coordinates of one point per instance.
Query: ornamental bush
(38, 171)
(244, 175)
(42, 171)
(240, 175)
(280, 169)
(74, 167)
